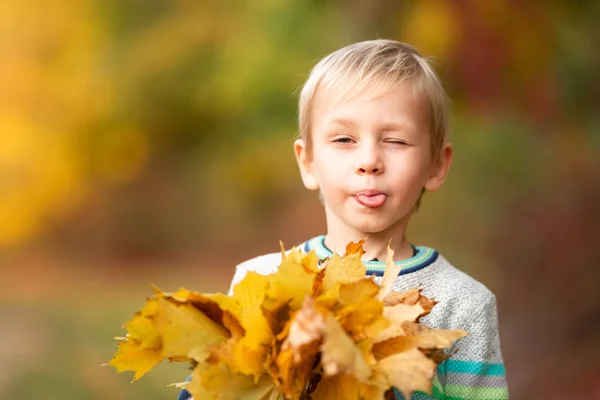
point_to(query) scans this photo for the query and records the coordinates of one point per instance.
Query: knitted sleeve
(476, 371)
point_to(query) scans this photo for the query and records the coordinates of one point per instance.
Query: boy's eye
(343, 140)
(397, 141)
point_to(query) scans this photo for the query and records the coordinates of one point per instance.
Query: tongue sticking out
(371, 201)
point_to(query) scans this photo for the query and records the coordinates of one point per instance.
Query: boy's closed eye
(399, 142)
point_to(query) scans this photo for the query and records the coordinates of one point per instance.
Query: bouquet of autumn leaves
(308, 331)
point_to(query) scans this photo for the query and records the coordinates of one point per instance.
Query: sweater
(475, 371)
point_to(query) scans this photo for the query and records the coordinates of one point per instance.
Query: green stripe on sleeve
(475, 393)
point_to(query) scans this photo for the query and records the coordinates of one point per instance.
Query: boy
(372, 124)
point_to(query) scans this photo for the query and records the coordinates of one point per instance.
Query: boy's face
(371, 157)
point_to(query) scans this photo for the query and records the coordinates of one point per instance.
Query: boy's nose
(369, 165)
(367, 171)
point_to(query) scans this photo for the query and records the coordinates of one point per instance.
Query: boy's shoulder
(263, 264)
(458, 281)
(462, 299)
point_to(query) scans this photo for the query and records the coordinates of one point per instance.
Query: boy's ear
(304, 160)
(439, 170)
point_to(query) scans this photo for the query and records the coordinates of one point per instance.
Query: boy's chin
(371, 227)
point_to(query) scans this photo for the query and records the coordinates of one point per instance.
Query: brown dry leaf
(130, 356)
(307, 326)
(423, 337)
(397, 315)
(318, 283)
(186, 331)
(408, 371)
(410, 297)
(340, 355)
(390, 275)
(294, 374)
(225, 384)
(299, 349)
(391, 346)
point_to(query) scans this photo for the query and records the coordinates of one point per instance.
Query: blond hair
(378, 65)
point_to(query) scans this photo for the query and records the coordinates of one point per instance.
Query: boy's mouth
(370, 198)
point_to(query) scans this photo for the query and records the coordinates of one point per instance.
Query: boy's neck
(375, 245)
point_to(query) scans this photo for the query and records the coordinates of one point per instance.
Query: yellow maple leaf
(311, 262)
(219, 382)
(277, 314)
(141, 328)
(252, 290)
(292, 282)
(361, 314)
(340, 270)
(186, 331)
(252, 351)
(130, 356)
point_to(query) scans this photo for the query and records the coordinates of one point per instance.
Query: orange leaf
(355, 248)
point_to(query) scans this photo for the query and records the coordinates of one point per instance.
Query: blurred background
(150, 142)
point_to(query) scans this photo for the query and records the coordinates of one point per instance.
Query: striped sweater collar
(424, 257)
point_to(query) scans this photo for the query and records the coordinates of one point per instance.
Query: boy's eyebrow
(394, 126)
(341, 121)
(391, 125)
